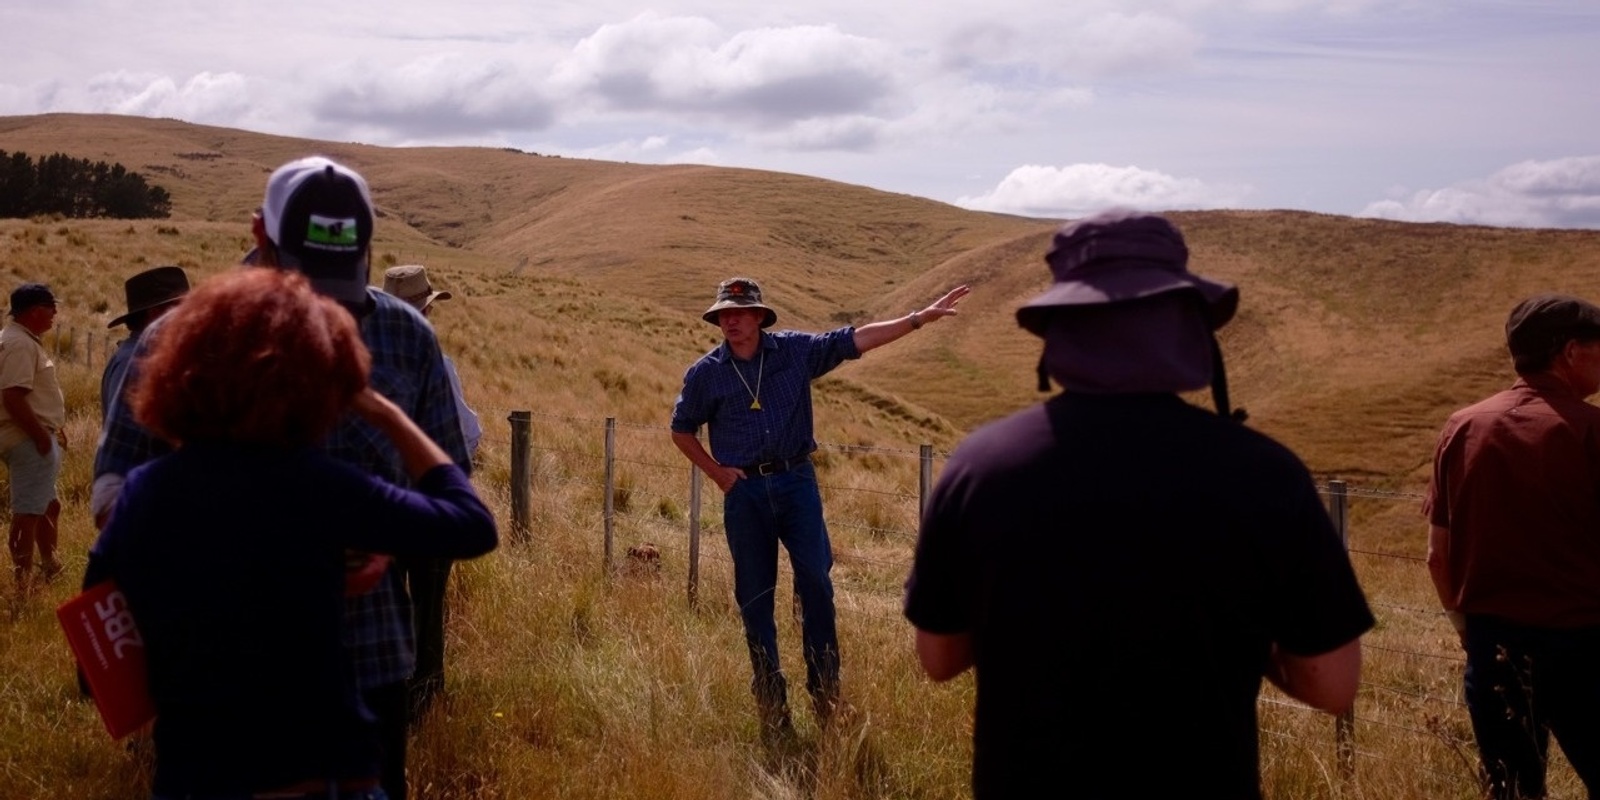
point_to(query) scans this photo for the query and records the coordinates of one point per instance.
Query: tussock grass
(577, 292)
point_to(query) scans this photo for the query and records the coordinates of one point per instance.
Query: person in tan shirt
(32, 413)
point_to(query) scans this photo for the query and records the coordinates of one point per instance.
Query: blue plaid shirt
(408, 368)
(783, 369)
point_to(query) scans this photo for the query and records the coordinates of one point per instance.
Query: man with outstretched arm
(754, 392)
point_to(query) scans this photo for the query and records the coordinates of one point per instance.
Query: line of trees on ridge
(77, 188)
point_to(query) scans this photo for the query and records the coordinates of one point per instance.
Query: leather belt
(776, 466)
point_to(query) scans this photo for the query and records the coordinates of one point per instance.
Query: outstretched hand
(945, 306)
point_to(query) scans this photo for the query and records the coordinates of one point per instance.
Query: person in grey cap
(150, 294)
(1116, 561)
(32, 416)
(754, 392)
(1514, 549)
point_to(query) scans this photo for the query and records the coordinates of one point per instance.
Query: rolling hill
(1356, 337)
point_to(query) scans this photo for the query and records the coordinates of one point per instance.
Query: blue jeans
(1524, 684)
(759, 512)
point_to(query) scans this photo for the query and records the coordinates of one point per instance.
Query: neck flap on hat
(1159, 351)
(1160, 344)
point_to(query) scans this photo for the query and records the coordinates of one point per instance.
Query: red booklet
(110, 653)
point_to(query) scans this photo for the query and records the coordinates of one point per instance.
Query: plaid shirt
(408, 368)
(719, 389)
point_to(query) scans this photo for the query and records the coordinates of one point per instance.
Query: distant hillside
(1355, 339)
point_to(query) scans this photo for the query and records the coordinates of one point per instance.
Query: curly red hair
(252, 356)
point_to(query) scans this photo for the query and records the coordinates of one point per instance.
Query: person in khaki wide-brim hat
(754, 393)
(1118, 536)
(740, 293)
(409, 282)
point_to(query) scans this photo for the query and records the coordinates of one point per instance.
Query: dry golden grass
(577, 292)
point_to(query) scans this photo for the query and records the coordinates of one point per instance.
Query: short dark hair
(251, 356)
(1540, 327)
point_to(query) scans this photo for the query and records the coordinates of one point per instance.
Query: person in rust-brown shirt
(1514, 549)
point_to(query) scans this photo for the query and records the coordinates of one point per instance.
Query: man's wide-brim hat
(739, 293)
(1118, 256)
(152, 289)
(410, 283)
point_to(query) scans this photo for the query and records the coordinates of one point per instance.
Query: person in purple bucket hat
(1122, 568)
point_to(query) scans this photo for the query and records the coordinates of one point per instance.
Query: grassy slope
(578, 286)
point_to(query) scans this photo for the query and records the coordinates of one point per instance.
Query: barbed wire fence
(650, 498)
(90, 348)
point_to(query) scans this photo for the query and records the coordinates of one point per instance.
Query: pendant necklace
(755, 394)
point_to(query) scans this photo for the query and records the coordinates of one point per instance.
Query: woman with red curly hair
(231, 550)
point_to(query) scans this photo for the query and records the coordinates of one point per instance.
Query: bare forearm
(722, 475)
(689, 445)
(1328, 681)
(944, 655)
(418, 452)
(878, 334)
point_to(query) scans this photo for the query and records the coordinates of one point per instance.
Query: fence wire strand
(863, 594)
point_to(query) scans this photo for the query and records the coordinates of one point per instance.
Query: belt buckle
(766, 468)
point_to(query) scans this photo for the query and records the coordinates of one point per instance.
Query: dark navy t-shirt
(1124, 565)
(232, 561)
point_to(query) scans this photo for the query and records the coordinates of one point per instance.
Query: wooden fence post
(521, 477)
(611, 485)
(1344, 725)
(925, 480)
(694, 536)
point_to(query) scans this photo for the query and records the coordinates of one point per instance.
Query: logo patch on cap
(337, 234)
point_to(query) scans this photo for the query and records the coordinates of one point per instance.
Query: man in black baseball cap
(316, 217)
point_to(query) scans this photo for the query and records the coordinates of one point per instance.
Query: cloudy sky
(1472, 111)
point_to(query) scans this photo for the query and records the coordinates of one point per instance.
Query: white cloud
(1080, 189)
(1127, 43)
(440, 95)
(831, 133)
(1315, 104)
(220, 98)
(1558, 193)
(1093, 44)
(765, 77)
